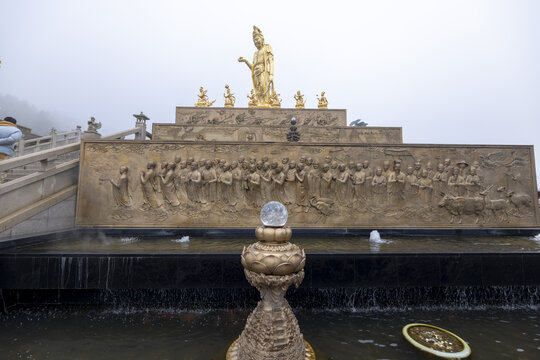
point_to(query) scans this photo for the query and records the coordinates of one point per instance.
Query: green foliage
(358, 122)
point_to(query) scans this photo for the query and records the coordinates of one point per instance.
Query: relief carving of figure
(396, 184)
(417, 169)
(327, 180)
(237, 189)
(253, 192)
(266, 183)
(208, 183)
(182, 181)
(226, 185)
(448, 170)
(278, 183)
(120, 189)
(341, 182)
(425, 187)
(386, 169)
(359, 182)
(290, 186)
(369, 176)
(150, 186)
(314, 180)
(411, 185)
(168, 187)
(301, 190)
(378, 186)
(456, 183)
(194, 189)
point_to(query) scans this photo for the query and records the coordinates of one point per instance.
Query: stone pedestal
(272, 332)
(91, 135)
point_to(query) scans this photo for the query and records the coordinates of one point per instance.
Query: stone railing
(53, 140)
(29, 197)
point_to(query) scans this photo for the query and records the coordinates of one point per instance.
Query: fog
(446, 71)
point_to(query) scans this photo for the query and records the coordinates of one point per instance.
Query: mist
(459, 72)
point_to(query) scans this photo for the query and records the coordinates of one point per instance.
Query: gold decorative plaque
(224, 184)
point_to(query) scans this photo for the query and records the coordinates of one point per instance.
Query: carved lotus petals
(273, 235)
(273, 263)
(284, 269)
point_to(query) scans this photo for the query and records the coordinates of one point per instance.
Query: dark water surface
(74, 333)
(350, 244)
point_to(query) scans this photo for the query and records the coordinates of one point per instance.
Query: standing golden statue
(203, 99)
(300, 103)
(323, 102)
(229, 97)
(262, 70)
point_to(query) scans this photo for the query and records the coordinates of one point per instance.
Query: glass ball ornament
(274, 214)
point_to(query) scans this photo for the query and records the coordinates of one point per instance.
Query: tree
(358, 122)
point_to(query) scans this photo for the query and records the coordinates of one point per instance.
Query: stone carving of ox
(458, 206)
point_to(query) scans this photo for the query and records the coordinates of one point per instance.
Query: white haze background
(446, 71)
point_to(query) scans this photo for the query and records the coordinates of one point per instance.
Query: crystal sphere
(274, 214)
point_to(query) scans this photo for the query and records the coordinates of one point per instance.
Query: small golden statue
(323, 102)
(262, 70)
(300, 104)
(252, 99)
(203, 99)
(229, 97)
(276, 101)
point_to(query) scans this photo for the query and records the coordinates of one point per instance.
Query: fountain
(272, 265)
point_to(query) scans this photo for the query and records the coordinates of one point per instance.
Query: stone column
(272, 265)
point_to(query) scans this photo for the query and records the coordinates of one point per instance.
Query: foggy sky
(446, 71)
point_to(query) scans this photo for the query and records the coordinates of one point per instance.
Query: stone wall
(58, 217)
(254, 116)
(273, 133)
(141, 184)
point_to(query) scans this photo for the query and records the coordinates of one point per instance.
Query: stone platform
(255, 116)
(275, 133)
(500, 192)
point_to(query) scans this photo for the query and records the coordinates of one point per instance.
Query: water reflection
(150, 333)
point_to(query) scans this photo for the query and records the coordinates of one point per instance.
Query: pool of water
(351, 244)
(77, 333)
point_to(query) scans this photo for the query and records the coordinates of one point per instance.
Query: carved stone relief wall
(195, 184)
(254, 116)
(348, 134)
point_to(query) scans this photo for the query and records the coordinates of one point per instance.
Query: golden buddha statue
(229, 97)
(323, 102)
(203, 99)
(300, 104)
(262, 70)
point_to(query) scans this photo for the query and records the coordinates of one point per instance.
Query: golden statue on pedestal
(323, 102)
(229, 97)
(252, 99)
(262, 71)
(276, 101)
(300, 103)
(203, 99)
